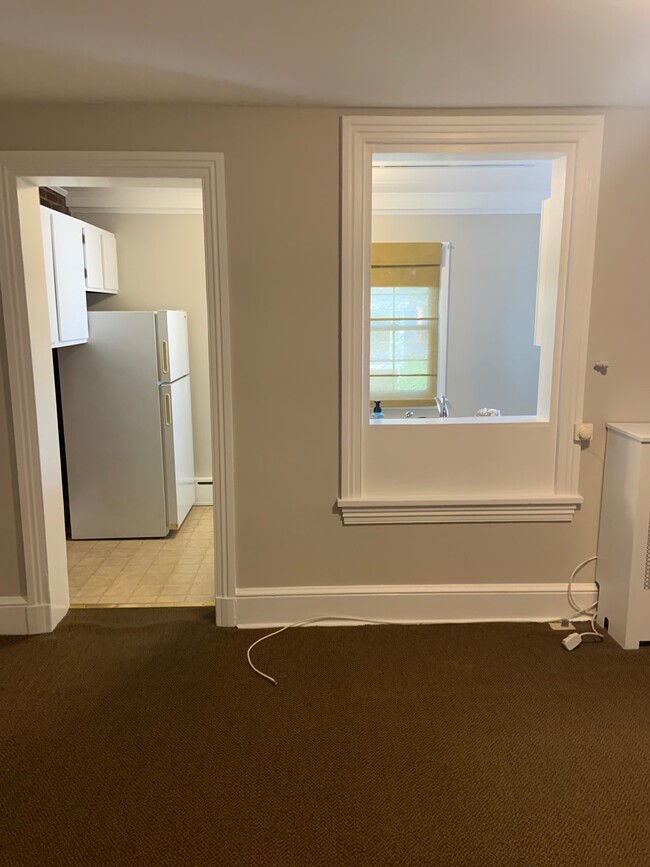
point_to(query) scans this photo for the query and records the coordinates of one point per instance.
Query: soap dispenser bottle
(377, 411)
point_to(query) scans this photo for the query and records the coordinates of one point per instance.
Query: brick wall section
(53, 200)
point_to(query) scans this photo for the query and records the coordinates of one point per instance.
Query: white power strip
(572, 641)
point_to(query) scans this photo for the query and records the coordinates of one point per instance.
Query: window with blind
(404, 301)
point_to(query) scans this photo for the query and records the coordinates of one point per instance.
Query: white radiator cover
(623, 570)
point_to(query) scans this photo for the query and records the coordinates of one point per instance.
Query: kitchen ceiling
(417, 53)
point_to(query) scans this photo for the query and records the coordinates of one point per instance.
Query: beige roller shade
(406, 254)
(405, 284)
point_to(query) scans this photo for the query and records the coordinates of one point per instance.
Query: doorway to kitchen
(133, 396)
(118, 388)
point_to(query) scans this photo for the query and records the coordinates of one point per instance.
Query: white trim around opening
(32, 385)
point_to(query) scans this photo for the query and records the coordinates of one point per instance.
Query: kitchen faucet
(442, 404)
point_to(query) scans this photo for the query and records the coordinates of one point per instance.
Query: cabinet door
(92, 241)
(67, 243)
(46, 229)
(109, 262)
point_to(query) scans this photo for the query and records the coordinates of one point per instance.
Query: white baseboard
(436, 603)
(13, 615)
(226, 611)
(203, 492)
(17, 617)
(277, 606)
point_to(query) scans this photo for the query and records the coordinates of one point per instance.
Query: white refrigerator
(127, 421)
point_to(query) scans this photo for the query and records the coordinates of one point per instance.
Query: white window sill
(486, 419)
(460, 511)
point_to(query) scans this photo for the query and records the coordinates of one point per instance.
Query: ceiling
(427, 53)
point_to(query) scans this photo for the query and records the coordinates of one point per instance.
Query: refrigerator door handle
(168, 410)
(165, 357)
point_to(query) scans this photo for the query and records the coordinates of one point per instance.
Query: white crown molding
(525, 202)
(117, 210)
(60, 190)
(267, 607)
(452, 212)
(136, 200)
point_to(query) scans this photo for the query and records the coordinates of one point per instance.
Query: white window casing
(472, 470)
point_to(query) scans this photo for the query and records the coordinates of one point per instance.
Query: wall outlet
(562, 626)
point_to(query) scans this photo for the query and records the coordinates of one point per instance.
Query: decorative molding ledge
(431, 603)
(531, 510)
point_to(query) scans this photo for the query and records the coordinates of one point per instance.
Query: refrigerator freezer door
(176, 411)
(173, 350)
(111, 419)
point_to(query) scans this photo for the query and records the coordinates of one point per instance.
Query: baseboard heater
(203, 492)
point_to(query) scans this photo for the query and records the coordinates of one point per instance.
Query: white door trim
(41, 556)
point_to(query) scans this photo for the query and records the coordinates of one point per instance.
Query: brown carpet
(141, 737)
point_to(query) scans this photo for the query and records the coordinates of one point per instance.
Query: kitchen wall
(282, 170)
(161, 264)
(491, 358)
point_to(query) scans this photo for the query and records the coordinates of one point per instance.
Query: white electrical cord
(592, 610)
(303, 623)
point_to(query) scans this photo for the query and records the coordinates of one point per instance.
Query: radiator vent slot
(646, 578)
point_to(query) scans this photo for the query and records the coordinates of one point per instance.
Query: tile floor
(178, 570)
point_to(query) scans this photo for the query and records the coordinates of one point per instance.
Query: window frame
(577, 139)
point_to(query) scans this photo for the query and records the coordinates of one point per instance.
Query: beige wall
(12, 579)
(161, 262)
(282, 170)
(491, 357)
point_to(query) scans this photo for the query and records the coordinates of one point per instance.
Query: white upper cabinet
(100, 258)
(64, 275)
(48, 255)
(92, 247)
(109, 262)
(79, 258)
